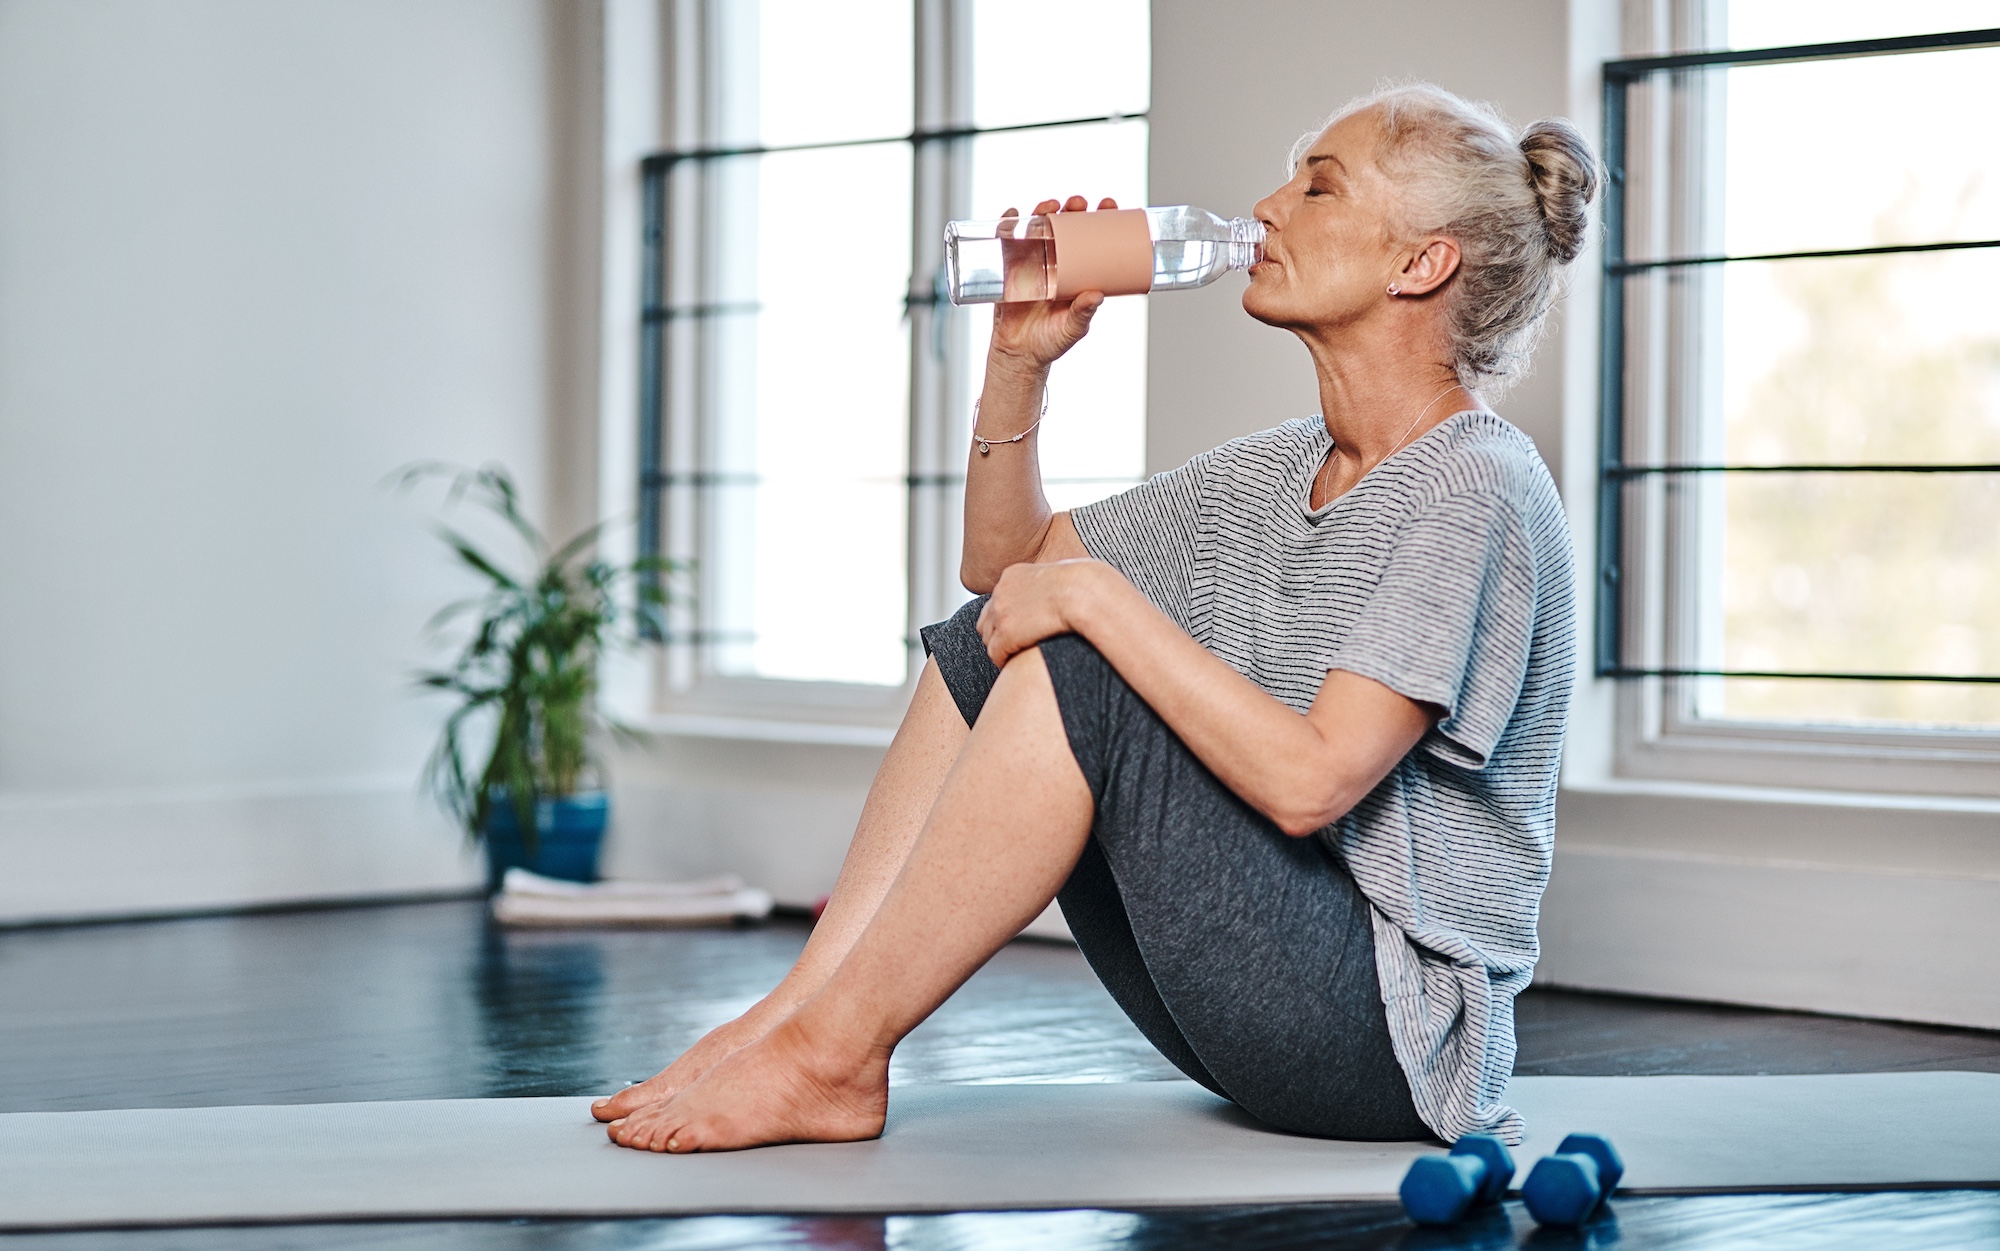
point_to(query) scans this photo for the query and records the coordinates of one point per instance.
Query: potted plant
(528, 675)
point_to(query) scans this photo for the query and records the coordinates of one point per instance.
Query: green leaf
(475, 558)
(525, 675)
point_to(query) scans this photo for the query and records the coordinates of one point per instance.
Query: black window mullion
(942, 134)
(1611, 389)
(652, 376)
(1650, 471)
(1625, 267)
(1633, 68)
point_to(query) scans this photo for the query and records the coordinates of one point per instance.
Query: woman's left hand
(1035, 602)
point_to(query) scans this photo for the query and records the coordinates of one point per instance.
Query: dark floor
(427, 1001)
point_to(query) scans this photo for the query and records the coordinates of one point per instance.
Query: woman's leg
(1247, 956)
(901, 796)
(1205, 921)
(1009, 822)
(1090, 900)
(1097, 920)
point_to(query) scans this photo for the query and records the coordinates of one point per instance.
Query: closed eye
(1322, 171)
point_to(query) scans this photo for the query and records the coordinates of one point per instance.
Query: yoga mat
(949, 1148)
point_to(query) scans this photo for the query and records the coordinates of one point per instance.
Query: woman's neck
(1375, 404)
(1369, 398)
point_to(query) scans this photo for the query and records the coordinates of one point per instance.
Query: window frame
(1651, 381)
(673, 369)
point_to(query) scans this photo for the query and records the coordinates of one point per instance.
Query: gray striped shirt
(1446, 575)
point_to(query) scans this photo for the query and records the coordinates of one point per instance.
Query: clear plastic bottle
(1119, 252)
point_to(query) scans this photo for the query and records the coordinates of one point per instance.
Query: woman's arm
(1300, 771)
(1007, 517)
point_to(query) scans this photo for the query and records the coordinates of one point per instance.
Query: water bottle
(1053, 256)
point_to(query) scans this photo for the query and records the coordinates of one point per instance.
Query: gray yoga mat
(952, 1148)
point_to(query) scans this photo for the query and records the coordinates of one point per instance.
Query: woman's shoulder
(1290, 436)
(1275, 449)
(1481, 453)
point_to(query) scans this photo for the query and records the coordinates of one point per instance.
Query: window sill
(1913, 769)
(1724, 835)
(765, 729)
(1735, 793)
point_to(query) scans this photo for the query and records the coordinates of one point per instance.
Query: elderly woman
(1279, 728)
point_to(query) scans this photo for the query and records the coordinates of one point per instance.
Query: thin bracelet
(986, 445)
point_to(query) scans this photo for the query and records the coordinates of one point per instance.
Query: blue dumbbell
(1439, 1189)
(1565, 1188)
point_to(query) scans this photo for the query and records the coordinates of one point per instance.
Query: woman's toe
(646, 1130)
(622, 1104)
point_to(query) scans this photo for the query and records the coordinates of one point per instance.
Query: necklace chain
(1421, 414)
(1407, 430)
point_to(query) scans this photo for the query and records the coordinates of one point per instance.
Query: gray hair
(1515, 203)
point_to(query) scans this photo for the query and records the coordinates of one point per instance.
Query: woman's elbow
(1310, 812)
(1298, 822)
(975, 577)
(1294, 825)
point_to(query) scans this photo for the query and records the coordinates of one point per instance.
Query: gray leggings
(1244, 955)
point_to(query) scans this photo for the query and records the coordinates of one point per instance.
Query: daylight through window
(1800, 515)
(807, 399)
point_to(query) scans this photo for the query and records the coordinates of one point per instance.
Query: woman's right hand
(1029, 335)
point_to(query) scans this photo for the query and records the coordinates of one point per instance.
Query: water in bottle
(1053, 256)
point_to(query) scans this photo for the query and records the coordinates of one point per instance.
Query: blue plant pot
(569, 836)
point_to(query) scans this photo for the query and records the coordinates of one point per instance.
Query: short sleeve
(1148, 534)
(1452, 621)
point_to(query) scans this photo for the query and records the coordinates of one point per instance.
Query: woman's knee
(960, 655)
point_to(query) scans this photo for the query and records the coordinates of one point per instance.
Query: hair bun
(1564, 175)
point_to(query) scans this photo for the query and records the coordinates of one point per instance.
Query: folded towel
(522, 882)
(530, 899)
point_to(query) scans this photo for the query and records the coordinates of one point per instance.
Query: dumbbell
(1439, 1189)
(1565, 1188)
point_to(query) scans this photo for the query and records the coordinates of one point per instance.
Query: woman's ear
(1429, 267)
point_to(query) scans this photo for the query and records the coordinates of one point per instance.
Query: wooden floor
(428, 1001)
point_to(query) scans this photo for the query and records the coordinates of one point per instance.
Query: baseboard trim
(253, 910)
(1889, 944)
(126, 855)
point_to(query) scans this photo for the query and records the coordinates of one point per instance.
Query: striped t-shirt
(1446, 575)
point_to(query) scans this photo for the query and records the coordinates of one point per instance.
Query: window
(1799, 511)
(806, 395)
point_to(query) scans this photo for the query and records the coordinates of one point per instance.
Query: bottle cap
(1109, 251)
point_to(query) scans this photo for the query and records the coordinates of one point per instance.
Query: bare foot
(715, 1046)
(783, 1088)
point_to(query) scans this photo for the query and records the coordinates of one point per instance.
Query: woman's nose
(1266, 210)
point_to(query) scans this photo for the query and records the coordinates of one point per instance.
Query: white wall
(1867, 905)
(1230, 96)
(253, 256)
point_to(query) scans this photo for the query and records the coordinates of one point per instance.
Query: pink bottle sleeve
(1103, 251)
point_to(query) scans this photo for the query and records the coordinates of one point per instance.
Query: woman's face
(1331, 250)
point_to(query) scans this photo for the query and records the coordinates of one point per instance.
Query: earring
(1394, 289)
